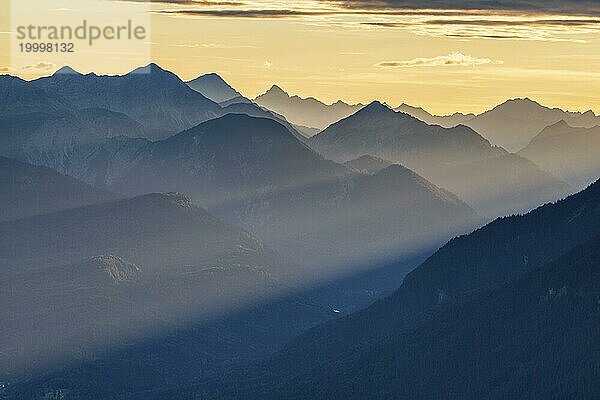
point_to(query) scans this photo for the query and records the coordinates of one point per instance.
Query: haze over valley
(303, 200)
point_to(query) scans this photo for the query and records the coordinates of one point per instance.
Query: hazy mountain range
(150, 95)
(307, 112)
(567, 152)
(213, 87)
(253, 172)
(487, 177)
(511, 124)
(171, 239)
(515, 299)
(76, 282)
(447, 121)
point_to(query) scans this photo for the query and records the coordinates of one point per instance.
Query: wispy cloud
(454, 59)
(40, 66)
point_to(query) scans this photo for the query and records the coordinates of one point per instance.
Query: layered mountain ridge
(568, 152)
(519, 295)
(307, 112)
(490, 179)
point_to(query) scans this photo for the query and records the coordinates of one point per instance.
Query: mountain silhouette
(254, 110)
(514, 123)
(213, 87)
(308, 112)
(511, 124)
(379, 131)
(504, 185)
(488, 178)
(254, 173)
(567, 152)
(447, 121)
(152, 96)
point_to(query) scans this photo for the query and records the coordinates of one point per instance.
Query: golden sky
(465, 59)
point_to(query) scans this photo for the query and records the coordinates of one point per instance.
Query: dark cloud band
(234, 13)
(566, 7)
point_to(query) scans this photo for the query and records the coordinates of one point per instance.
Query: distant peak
(210, 76)
(523, 100)
(404, 105)
(66, 70)
(376, 107)
(149, 69)
(276, 90)
(558, 126)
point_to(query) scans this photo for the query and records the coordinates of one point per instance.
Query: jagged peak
(275, 89)
(520, 101)
(376, 107)
(151, 68)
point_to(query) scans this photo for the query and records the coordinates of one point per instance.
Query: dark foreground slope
(510, 311)
(535, 338)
